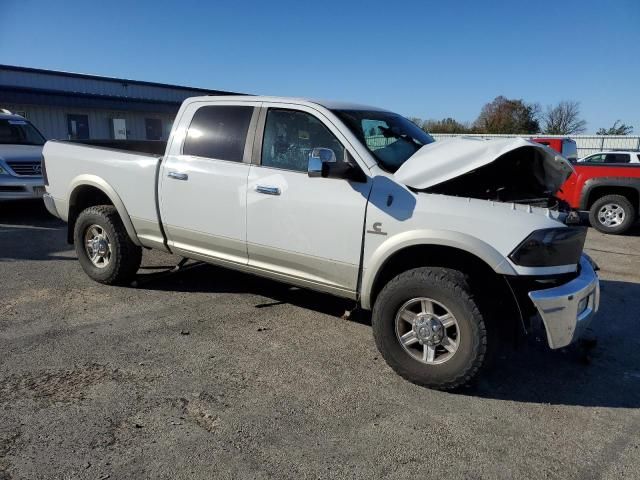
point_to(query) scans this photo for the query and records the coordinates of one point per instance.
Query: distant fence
(587, 144)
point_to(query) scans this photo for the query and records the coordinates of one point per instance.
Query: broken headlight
(550, 247)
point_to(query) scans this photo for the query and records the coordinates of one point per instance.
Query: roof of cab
(11, 116)
(329, 104)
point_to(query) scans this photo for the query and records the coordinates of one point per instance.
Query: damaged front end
(505, 170)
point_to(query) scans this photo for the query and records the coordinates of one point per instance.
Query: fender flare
(592, 183)
(108, 190)
(427, 237)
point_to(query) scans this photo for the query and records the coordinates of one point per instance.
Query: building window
(153, 127)
(78, 127)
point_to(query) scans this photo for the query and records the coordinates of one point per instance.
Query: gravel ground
(208, 373)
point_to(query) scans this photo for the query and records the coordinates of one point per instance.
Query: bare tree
(563, 119)
(621, 129)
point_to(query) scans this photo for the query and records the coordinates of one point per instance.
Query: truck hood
(20, 153)
(449, 158)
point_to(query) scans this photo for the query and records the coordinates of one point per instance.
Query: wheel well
(490, 288)
(628, 192)
(83, 197)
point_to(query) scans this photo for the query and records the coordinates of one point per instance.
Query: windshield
(390, 137)
(19, 132)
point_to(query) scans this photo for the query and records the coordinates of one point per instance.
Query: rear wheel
(429, 329)
(104, 249)
(612, 214)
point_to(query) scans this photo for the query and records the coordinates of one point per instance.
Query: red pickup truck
(605, 184)
(610, 192)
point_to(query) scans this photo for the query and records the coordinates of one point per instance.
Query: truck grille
(26, 169)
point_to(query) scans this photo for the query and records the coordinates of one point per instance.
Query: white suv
(613, 156)
(20, 158)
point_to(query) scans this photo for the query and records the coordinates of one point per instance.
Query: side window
(594, 159)
(218, 132)
(616, 158)
(290, 135)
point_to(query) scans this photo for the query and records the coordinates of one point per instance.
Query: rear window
(569, 150)
(19, 132)
(218, 132)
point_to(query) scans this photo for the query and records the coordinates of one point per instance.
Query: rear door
(299, 227)
(204, 180)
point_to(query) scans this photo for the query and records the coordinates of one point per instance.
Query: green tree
(563, 119)
(618, 128)
(510, 116)
(446, 125)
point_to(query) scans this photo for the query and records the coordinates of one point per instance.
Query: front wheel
(429, 329)
(612, 214)
(104, 249)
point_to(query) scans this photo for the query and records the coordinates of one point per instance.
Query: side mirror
(323, 163)
(318, 157)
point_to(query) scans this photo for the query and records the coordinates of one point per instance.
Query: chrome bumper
(50, 205)
(20, 188)
(568, 309)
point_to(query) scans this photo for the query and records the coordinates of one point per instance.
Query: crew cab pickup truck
(607, 186)
(451, 244)
(20, 158)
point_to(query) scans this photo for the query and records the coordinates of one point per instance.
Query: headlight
(550, 247)
(3, 171)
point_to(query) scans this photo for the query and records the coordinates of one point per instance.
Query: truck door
(203, 181)
(300, 227)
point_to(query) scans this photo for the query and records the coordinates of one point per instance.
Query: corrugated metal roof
(12, 76)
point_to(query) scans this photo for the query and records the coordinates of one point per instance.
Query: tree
(446, 125)
(503, 115)
(417, 120)
(621, 129)
(563, 119)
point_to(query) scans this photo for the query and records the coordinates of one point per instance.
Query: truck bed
(127, 174)
(151, 147)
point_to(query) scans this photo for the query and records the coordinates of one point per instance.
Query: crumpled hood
(449, 158)
(20, 153)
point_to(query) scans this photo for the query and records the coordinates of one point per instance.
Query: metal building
(66, 105)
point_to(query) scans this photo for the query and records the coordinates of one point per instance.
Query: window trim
(246, 153)
(262, 124)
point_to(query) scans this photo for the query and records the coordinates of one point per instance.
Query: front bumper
(20, 188)
(567, 310)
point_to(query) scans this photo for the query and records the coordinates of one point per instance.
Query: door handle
(267, 190)
(178, 176)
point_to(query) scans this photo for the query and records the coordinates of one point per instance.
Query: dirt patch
(7, 444)
(202, 411)
(56, 386)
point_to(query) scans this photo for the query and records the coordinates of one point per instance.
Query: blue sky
(420, 58)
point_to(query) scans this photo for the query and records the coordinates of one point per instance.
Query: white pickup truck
(451, 244)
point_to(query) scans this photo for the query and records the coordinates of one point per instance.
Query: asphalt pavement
(208, 373)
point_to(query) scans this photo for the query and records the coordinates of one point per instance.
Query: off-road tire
(624, 203)
(450, 288)
(125, 255)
